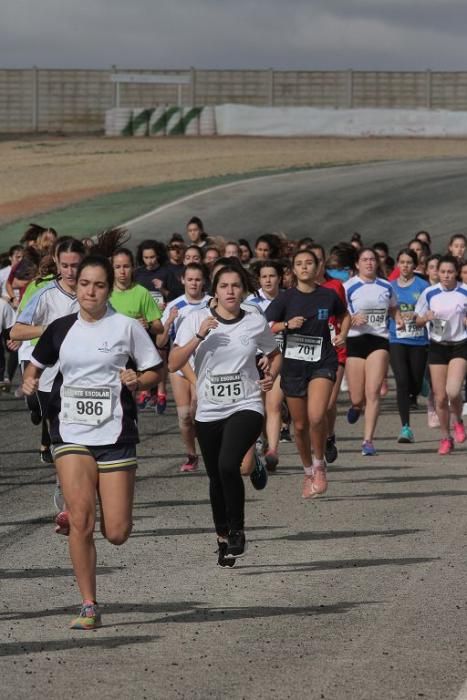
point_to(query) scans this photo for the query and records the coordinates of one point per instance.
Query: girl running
(224, 342)
(407, 345)
(370, 300)
(184, 392)
(310, 362)
(444, 307)
(92, 417)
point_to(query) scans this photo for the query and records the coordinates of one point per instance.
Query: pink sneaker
(307, 489)
(62, 524)
(446, 446)
(320, 482)
(191, 464)
(459, 432)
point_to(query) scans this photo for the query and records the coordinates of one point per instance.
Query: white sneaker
(464, 409)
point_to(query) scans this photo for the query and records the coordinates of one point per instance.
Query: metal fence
(74, 101)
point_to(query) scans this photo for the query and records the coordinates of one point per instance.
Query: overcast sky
(306, 34)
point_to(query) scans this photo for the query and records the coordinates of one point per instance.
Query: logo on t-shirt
(105, 347)
(245, 339)
(323, 314)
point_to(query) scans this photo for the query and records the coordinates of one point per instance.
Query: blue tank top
(406, 300)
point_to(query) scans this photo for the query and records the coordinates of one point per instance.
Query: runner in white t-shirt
(224, 342)
(444, 307)
(371, 300)
(103, 358)
(184, 393)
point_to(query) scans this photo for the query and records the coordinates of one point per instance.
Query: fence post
(193, 86)
(35, 99)
(271, 87)
(349, 88)
(428, 89)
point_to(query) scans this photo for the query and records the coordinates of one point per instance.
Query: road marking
(235, 183)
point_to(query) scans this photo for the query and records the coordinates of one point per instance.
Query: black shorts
(109, 458)
(363, 345)
(296, 385)
(443, 353)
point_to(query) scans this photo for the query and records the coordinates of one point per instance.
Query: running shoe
(432, 417)
(88, 619)
(330, 451)
(222, 552)
(191, 464)
(272, 460)
(161, 404)
(142, 399)
(446, 446)
(368, 449)
(285, 435)
(259, 475)
(459, 432)
(46, 456)
(5, 385)
(406, 434)
(19, 393)
(320, 482)
(464, 409)
(307, 488)
(62, 524)
(353, 414)
(236, 546)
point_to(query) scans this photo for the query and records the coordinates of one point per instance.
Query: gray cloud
(306, 34)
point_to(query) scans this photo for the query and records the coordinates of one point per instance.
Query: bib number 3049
(86, 406)
(225, 388)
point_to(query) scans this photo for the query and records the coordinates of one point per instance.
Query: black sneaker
(330, 451)
(285, 435)
(236, 546)
(46, 456)
(222, 552)
(259, 475)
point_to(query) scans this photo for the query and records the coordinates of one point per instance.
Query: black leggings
(408, 363)
(224, 444)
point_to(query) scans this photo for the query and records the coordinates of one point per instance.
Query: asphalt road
(383, 201)
(360, 594)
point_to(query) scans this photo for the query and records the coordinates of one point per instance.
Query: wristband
(286, 325)
(200, 337)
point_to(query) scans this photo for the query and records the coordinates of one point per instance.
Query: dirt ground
(47, 173)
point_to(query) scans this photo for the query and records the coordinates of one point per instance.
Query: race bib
(86, 406)
(438, 326)
(224, 388)
(158, 298)
(376, 318)
(410, 330)
(303, 347)
(279, 338)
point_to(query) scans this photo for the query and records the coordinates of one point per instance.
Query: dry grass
(43, 174)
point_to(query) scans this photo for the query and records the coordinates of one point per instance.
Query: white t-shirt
(185, 308)
(48, 304)
(450, 308)
(7, 315)
(373, 300)
(4, 274)
(225, 363)
(89, 405)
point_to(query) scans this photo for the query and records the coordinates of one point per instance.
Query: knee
(300, 427)
(185, 417)
(316, 421)
(118, 535)
(81, 521)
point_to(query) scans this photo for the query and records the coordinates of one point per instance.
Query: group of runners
(255, 342)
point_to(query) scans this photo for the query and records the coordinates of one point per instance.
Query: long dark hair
(96, 260)
(151, 244)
